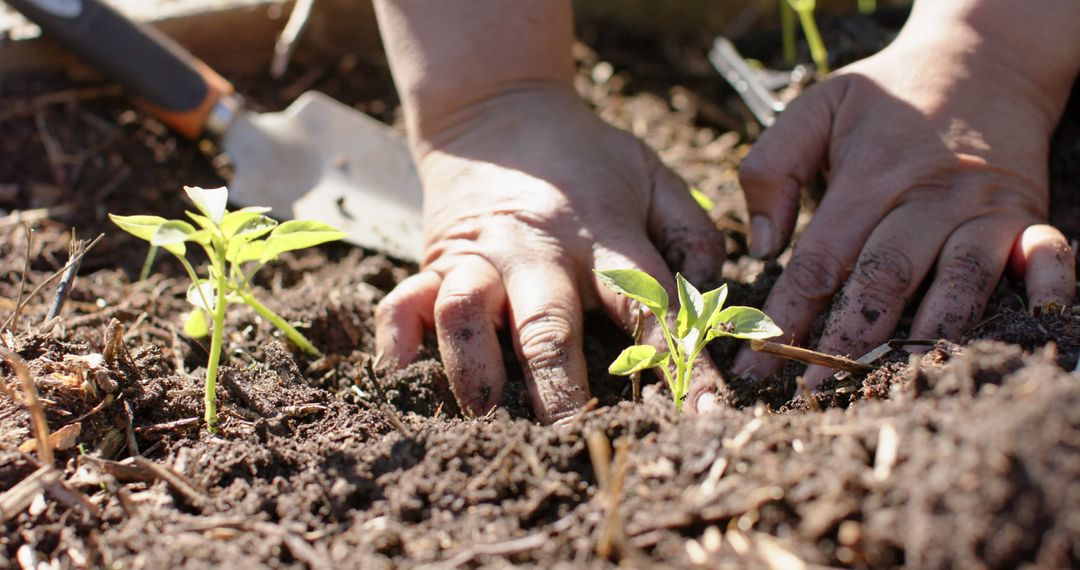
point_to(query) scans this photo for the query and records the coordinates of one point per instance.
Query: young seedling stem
(805, 10)
(233, 241)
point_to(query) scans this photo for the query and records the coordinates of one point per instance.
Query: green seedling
(702, 317)
(238, 244)
(805, 11)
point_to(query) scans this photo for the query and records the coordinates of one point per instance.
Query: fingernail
(706, 403)
(762, 237)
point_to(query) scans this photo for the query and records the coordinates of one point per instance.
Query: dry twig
(50, 279)
(639, 332)
(21, 109)
(35, 215)
(22, 279)
(76, 250)
(809, 356)
(612, 537)
(30, 398)
(178, 482)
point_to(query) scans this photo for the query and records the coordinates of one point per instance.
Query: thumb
(786, 157)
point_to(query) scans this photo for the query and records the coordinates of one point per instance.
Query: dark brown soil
(966, 456)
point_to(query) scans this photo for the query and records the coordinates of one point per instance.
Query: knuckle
(681, 243)
(966, 271)
(546, 338)
(385, 312)
(814, 275)
(455, 310)
(756, 171)
(884, 273)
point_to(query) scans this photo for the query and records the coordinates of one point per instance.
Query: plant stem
(282, 325)
(216, 338)
(148, 263)
(679, 390)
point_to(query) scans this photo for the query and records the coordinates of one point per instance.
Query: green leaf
(637, 285)
(298, 234)
(204, 237)
(202, 294)
(195, 325)
(172, 234)
(691, 306)
(702, 200)
(255, 226)
(246, 251)
(714, 303)
(142, 227)
(201, 220)
(637, 358)
(248, 221)
(746, 323)
(210, 201)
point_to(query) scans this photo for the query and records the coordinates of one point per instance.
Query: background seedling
(237, 244)
(805, 11)
(701, 318)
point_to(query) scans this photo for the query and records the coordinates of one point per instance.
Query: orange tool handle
(178, 89)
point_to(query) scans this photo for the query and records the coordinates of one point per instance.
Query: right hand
(526, 193)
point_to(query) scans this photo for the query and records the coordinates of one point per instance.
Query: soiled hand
(525, 194)
(935, 152)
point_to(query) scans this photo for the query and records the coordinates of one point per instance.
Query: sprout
(238, 244)
(701, 318)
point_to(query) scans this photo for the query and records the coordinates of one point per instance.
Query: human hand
(936, 153)
(525, 194)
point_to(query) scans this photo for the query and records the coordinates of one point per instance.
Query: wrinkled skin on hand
(936, 159)
(525, 194)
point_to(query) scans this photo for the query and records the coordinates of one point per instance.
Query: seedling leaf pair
(701, 318)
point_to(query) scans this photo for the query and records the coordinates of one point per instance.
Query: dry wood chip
(775, 555)
(712, 540)
(696, 553)
(46, 479)
(743, 437)
(887, 450)
(126, 472)
(59, 440)
(738, 541)
(33, 403)
(303, 410)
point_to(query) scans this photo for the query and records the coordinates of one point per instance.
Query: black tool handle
(180, 90)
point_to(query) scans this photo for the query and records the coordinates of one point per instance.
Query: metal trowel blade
(322, 160)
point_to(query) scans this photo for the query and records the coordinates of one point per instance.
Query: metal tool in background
(318, 159)
(747, 82)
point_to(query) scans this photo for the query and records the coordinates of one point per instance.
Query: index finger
(821, 262)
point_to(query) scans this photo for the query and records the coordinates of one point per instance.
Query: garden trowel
(318, 159)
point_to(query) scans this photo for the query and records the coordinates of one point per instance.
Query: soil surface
(963, 456)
